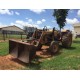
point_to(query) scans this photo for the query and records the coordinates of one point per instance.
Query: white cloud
(72, 21)
(48, 26)
(2, 25)
(68, 27)
(43, 20)
(54, 21)
(36, 26)
(26, 18)
(29, 23)
(37, 11)
(21, 24)
(17, 13)
(78, 13)
(6, 11)
(11, 23)
(16, 24)
(39, 22)
(30, 20)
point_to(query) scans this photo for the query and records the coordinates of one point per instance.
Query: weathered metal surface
(23, 51)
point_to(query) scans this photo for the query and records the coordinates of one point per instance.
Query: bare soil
(10, 63)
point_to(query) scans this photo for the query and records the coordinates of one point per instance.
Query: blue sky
(36, 17)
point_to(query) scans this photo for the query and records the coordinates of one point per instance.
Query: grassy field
(65, 59)
(4, 48)
(12, 36)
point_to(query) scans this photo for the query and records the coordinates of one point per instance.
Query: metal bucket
(21, 50)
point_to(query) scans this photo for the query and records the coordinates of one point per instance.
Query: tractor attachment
(23, 51)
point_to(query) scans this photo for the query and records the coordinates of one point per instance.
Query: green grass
(65, 59)
(17, 36)
(4, 48)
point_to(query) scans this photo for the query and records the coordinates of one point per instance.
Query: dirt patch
(10, 63)
(3, 41)
(44, 53)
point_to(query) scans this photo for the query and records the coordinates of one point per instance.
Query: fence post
(6, 34)
(3, 35)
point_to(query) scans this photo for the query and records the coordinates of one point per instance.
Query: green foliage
(60, 15)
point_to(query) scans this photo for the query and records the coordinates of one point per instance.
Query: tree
(60, 15)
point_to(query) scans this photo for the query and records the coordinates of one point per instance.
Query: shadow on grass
(76, 41)
(57, 53)
(33, 65)
(71, 48)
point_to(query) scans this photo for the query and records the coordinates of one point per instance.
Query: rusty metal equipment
(25, 51)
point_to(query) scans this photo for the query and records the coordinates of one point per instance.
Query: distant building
(76, 29)
(11, 30)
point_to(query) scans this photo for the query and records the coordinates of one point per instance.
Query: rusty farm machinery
(25, 51)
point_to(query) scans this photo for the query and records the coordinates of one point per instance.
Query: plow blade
(21, 50)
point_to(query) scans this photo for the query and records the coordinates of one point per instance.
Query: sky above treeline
(36, 17)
